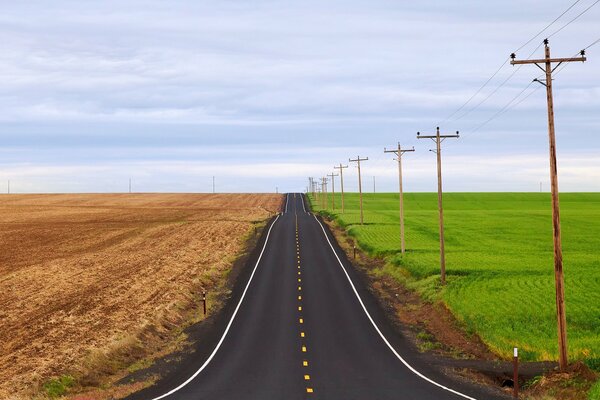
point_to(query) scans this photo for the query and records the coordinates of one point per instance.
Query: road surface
(303, 326)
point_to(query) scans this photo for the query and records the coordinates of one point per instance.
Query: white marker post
(516, 373)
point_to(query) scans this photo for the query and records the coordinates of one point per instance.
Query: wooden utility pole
(358, 160)
(558, 262)
(129, 185)
(332, 175)
(324, 193)
(438, 139)
(399, 153)
(341, 168)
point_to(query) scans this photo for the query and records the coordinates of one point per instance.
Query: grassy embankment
(499, 263)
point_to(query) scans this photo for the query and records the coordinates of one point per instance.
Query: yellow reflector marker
(307, 377)
(309, 390)
(305, 363)
(301, 320)
(304, 349)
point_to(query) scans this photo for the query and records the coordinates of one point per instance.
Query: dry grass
(82, 276)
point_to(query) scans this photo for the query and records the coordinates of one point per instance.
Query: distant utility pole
(276, 190)
(374, 185)
(399, 153)
(558, 262)
(129, 185)
(332, 175)
(324, 200)
(8, 189)
(358, 160)
(341, 168)
(438, 139)
(540, 187)
(213, 185)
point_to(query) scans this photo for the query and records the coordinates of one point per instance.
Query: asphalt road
(304, 326)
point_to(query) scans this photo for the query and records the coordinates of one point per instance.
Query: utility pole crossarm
(551, 60)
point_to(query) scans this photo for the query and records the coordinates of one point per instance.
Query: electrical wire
(574, 19)
(547, 26)
(593, 43)
(502, 66)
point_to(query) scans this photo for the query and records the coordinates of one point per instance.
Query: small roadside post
(516, 373)
(354, 251)
(204, 301)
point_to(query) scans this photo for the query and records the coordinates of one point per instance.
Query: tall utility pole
(358, 160)
(438, 139)
(399, 153)
(558, 262)
(373, 184)
(332, 175)
(341, 168)
(8, 190)
(129, 185)
(213, 185)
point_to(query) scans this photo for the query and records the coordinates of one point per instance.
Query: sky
(263, 94)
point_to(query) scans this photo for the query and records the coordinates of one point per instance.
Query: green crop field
(499, 262)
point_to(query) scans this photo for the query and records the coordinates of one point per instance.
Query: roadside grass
(58, 387)
(595, 392)
(499, 262)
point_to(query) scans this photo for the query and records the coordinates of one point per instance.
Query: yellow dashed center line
(301, 319)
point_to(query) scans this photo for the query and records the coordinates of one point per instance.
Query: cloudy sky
(263, 94)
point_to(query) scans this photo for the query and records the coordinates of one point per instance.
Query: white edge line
(208, 360)
(302, 198)
(420, 375)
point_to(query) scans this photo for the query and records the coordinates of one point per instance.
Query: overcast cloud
(263, 94)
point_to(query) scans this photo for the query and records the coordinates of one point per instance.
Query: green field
(499, 262)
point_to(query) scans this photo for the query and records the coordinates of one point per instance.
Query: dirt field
(82, 275)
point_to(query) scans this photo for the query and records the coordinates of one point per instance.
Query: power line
(504, 63)
(574, 19)
(499, 86)
(547, 26)
(478, 90)
(594, 43)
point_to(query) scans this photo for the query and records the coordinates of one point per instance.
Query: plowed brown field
(81, 273)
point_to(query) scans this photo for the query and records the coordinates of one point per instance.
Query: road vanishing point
(301, 324)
